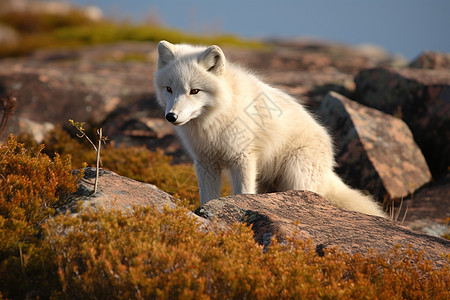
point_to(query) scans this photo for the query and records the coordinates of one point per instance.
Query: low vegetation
(133, 162)
(38, 30)
(149, 254)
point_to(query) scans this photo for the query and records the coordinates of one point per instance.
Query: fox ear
(165, 53)
(213, 60)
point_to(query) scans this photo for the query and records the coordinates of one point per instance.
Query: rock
(431, 60)
(376, 152)
(421, 98)
(428, 210)
(91, 84)
(37, 130)
(117, 192)
(8, 35)
(302, 214)
(54, 86)
(93, 13)
(142, 123)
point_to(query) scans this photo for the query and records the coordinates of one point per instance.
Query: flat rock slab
(376, 151)
(303, 214)
(421, 98)
(117, 192)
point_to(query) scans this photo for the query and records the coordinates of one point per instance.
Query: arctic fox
(228, 119)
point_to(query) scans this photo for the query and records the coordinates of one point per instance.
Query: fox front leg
(243, 176)
(209, 181)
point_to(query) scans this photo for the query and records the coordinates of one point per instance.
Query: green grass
(38, 31)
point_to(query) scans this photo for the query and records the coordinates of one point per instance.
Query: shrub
(137, 163)
(31, 186)
(150, 254)
(166, 254)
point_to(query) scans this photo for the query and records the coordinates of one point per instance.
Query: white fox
(228, 119)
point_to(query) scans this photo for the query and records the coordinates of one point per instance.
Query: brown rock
(421, 98)
(376, 152)
(303, 214)
(431, 60)
(54, 86)
(117, 192)
(142, 123)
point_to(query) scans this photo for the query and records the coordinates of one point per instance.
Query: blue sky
(405, 27)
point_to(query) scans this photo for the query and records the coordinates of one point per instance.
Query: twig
(100, 138)
(399, 210)
(7, 107)
(404, 215)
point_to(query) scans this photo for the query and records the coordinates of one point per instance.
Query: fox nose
(171, 117)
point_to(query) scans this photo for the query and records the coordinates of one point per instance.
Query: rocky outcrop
(101, 85)
(431, 60)
(94, 84)
(421, 98)
(302, 214)
(292, 214)
(56, 86)
(376, 151)
(93, 13)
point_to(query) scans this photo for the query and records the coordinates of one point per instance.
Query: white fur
(264, 137)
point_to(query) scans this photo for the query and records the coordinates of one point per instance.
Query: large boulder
(302, 214)
(420, 97)
(376, 152)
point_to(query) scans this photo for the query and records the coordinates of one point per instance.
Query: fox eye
(169, 89)
(194, 91)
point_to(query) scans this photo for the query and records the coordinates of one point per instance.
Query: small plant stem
(98, 160)
(404, 216)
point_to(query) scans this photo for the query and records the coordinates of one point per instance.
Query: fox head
(188, 80)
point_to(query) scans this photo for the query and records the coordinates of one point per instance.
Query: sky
(405, 27)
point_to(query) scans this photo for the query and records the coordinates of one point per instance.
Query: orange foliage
(148, 254)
